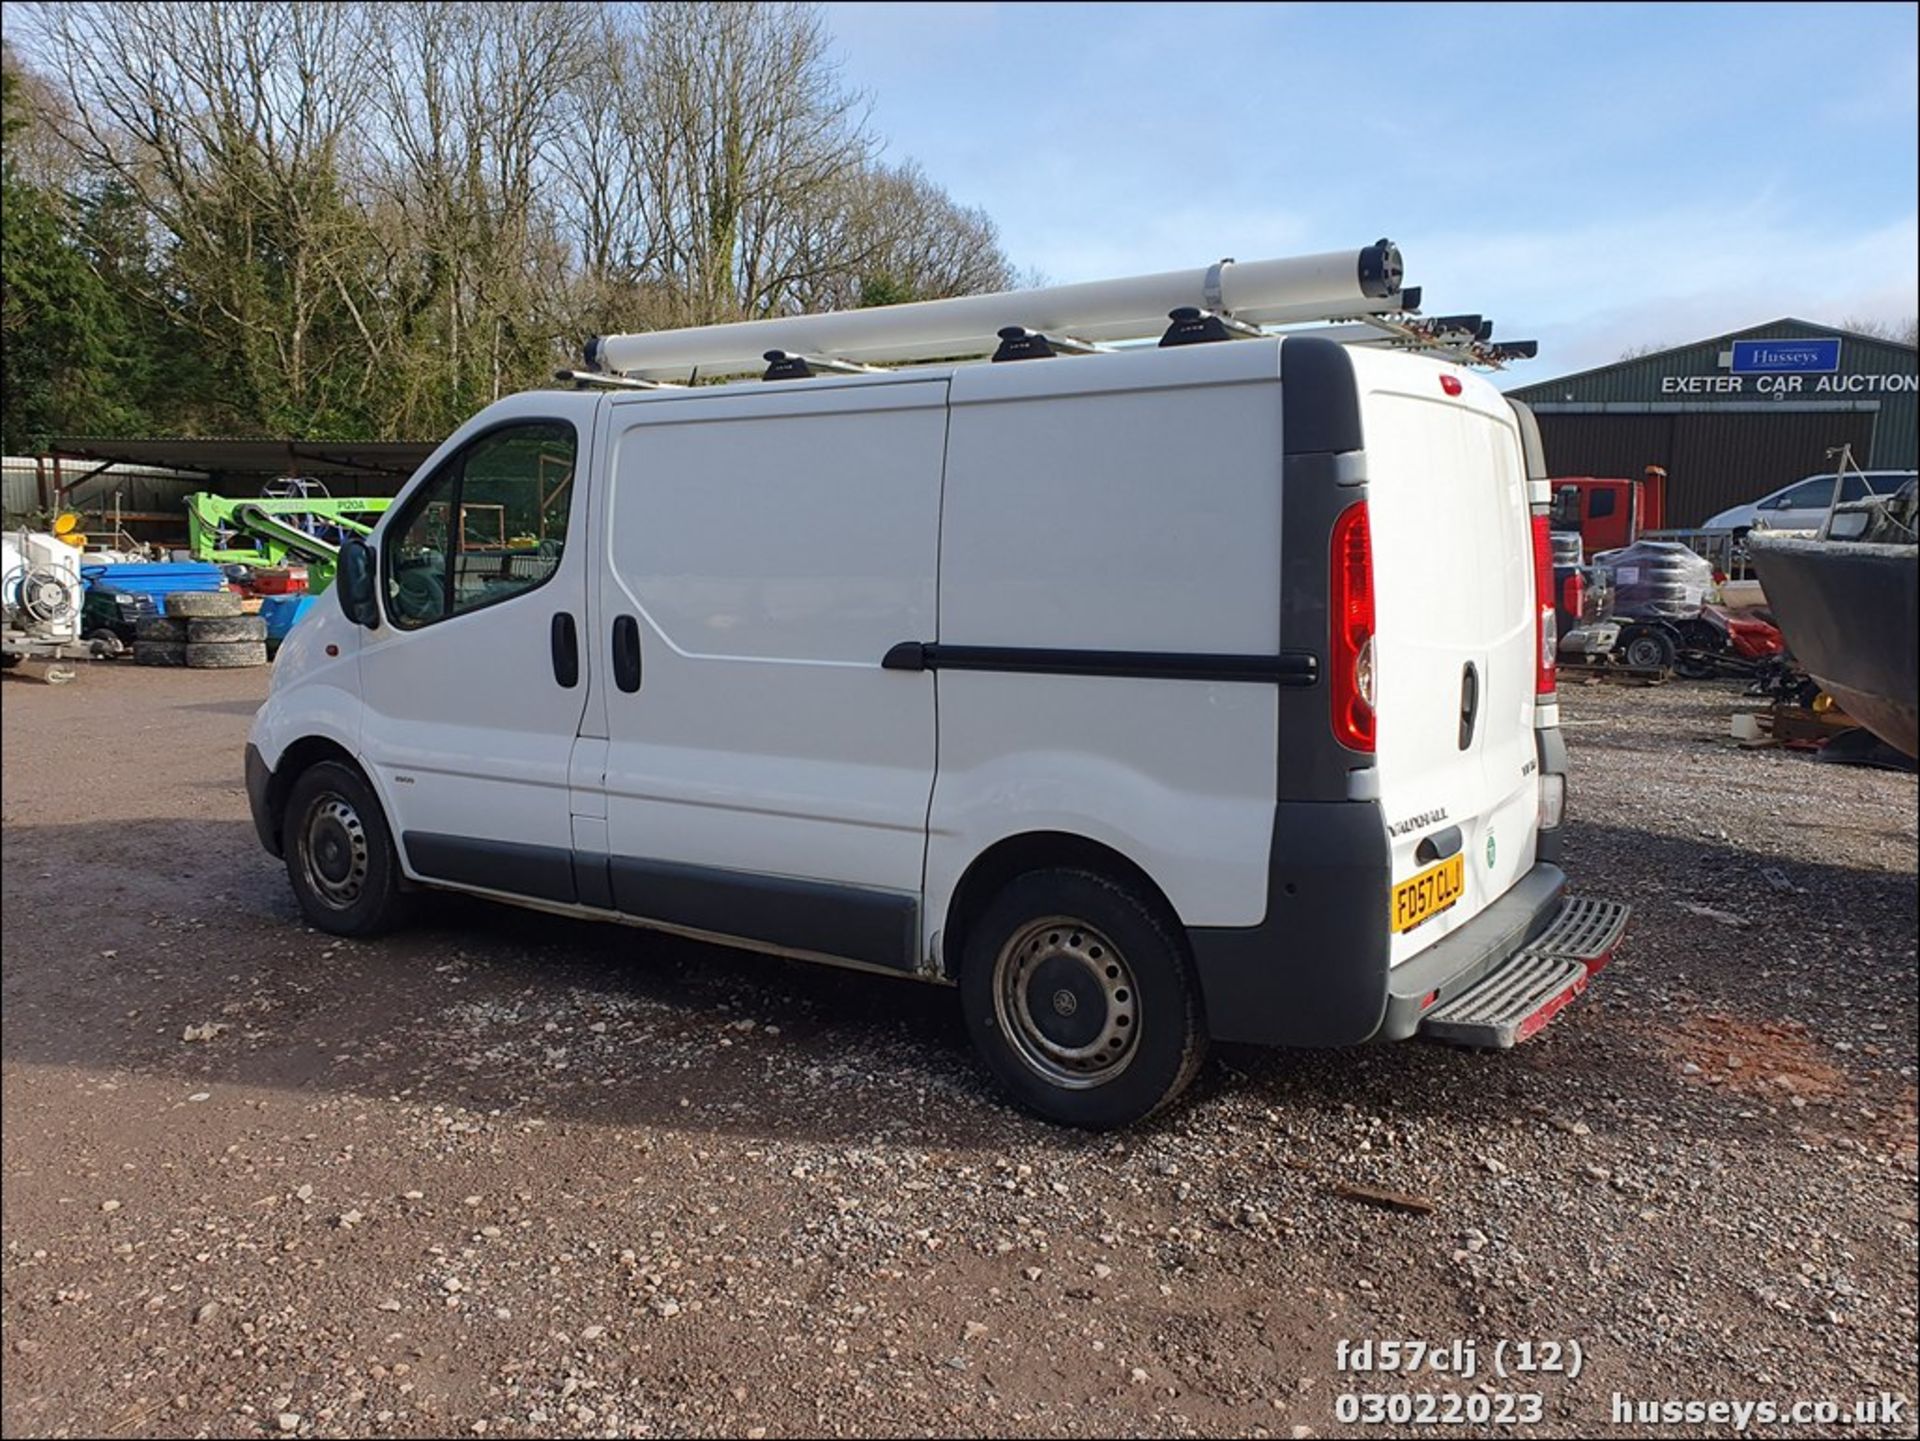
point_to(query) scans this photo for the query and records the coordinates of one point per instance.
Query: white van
(1148, 697)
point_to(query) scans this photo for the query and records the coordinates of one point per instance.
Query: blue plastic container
(156, 580)
(281, 612)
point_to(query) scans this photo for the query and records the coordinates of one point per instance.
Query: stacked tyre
(202, 629)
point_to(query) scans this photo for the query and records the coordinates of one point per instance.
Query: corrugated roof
(255, 455)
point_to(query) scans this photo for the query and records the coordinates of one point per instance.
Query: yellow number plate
(1429, 893)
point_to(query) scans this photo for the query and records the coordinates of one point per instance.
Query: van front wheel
(340, 855)
(1081, 1000)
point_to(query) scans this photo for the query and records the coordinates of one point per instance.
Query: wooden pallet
(1791, 724)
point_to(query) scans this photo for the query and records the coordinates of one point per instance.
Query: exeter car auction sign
(1782, 368)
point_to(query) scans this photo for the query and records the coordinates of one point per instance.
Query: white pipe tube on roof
(1263, 292)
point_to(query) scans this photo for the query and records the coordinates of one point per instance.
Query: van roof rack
(1445, 336)
(1227, 299)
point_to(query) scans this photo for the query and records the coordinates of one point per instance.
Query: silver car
(1804, 504)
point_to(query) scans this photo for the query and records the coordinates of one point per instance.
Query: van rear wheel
(1081, 1000)
(340, 855)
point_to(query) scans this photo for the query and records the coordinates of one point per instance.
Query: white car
(1804, 504)
(1196, 692)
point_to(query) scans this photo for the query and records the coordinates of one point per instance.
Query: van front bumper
(259, 786)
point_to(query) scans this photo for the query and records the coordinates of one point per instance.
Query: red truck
(1610, 513)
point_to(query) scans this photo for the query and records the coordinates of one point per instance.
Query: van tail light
(1350, 614)
(1546, 624)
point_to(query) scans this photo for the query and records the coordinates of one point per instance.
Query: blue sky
(1590, 176)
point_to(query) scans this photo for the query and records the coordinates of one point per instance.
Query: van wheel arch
(1004, 860)
(298, 758)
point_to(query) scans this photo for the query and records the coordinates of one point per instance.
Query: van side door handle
(566, 650)
(1469, 702)
(626, 653)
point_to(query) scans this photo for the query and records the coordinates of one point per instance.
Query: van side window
(1599, 504)
(488, 525)
(1854, 487)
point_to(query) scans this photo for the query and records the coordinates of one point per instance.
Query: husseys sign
(1785, 367)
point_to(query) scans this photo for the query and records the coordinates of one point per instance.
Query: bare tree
(35, 152)
(474, 110)
(382, 215)
(1900, 332)
(745, 122)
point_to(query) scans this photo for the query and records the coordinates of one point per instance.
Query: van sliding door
(765, 778)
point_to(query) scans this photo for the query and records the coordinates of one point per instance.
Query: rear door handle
(1469, 702)
(566, 650)
(626, 653)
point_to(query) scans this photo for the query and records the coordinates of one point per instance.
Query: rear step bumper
(1522, 919)
(1521, 994)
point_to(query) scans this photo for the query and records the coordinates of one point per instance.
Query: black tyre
(1081, 1000)
(1648, 649)
(159, 652)
(340, 855)
(225, 654)
(198, 604)
(159, 627)
(214, 630)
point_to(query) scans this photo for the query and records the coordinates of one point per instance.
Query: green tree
(59, 325)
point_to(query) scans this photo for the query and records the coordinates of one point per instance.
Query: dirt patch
(1772, 1058)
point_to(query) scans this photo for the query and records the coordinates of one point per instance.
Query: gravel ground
(508, 1175)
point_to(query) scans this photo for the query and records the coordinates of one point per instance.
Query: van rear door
(1454, 641)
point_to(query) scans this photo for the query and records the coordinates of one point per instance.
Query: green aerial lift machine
(299, 525)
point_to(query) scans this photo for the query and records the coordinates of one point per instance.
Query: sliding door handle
(626, 653)
(566, 650)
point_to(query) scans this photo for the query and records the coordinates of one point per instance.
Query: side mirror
(355, 583)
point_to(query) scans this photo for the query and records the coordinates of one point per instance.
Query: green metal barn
(1736, 416)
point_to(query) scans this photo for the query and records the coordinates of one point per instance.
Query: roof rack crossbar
(783, 365)
(581, 379)
(1194, 326)
(1017, 342)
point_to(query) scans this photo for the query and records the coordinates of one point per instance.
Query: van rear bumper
(1315, 972)
(1451, 965)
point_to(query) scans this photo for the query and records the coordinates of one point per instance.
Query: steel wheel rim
(1645, 654)
(1067, 1002)
(334, 852)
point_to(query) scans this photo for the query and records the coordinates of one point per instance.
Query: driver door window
(489, 525)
